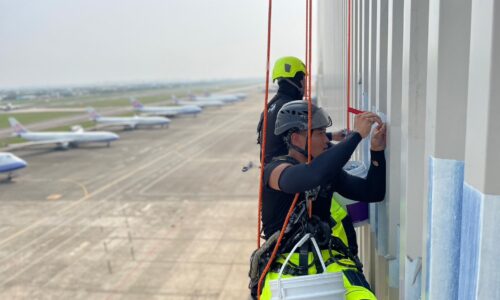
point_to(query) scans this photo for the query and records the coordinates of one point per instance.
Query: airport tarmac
(162, 213)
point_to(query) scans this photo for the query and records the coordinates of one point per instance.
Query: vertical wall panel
(428, 74)
(413, 134)
(470, 243)
(393, 152)
(479, 263)
(444, 219)
(381, 100)
(447, 71)
(381, 55)
(371, 98)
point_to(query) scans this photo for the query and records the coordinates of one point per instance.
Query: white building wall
(393, 152)
(447, 85)
(479, 262)
(436, 235)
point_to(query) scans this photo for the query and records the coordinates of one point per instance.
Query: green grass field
(10, 140)
(96, 102)
(118, 100)
(34, 117)
(125, 102)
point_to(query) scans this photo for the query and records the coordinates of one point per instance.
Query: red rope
(354, 111)
(264, 127)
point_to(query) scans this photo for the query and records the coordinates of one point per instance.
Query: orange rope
(275, 250)
(264, 127)
(308, 78)
(306, 86)
(307, 92)
(348, 65)
(310, 50)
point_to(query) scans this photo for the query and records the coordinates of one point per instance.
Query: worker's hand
(379, 138)
(340, 135)
(364, 121)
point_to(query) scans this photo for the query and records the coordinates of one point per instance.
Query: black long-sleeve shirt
(275, 145)
(324, 171)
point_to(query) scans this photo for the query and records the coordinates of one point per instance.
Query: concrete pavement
(162, 213)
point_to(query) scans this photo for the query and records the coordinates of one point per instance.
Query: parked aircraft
(165, 110)
(10, 163)
(62, 139)
(207, 103)
(240, 96)
(9, 106)
(127, 122)
(223, 98)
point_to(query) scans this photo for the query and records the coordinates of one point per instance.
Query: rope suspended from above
(307, 94)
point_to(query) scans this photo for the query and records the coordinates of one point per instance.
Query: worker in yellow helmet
(289, 72)
(287, 175)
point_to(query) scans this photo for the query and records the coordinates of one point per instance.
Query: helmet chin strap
(300, 150)
(288, 141)
(301, 89)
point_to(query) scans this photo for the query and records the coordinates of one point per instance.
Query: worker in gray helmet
(289, 174)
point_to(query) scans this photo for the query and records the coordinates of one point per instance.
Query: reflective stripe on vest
(338, 213)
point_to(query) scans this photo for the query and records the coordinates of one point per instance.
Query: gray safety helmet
(293, 115)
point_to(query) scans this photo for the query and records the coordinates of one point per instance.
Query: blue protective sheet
(469, 245)
(488, 286)
(444, 219)
(479, 257)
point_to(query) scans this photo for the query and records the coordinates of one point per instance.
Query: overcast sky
(60, 42)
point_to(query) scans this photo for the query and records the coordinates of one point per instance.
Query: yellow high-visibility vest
(338, 213)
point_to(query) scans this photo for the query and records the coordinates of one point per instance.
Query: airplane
(9, 106)
(240, 96)
(207, 103)
(127, 122)
(165, 110)
(62, 139)
(223, 98)
(10, 163)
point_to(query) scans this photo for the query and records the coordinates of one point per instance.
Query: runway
(162, 213)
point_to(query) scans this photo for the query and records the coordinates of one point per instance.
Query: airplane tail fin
(17, 127)
(175, 99)
(191, 96)
(93, 115)
(77, 128)
(135, 103)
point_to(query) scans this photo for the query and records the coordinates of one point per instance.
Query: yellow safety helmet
(288, 67)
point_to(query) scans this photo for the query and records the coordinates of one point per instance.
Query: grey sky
(52, 42)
